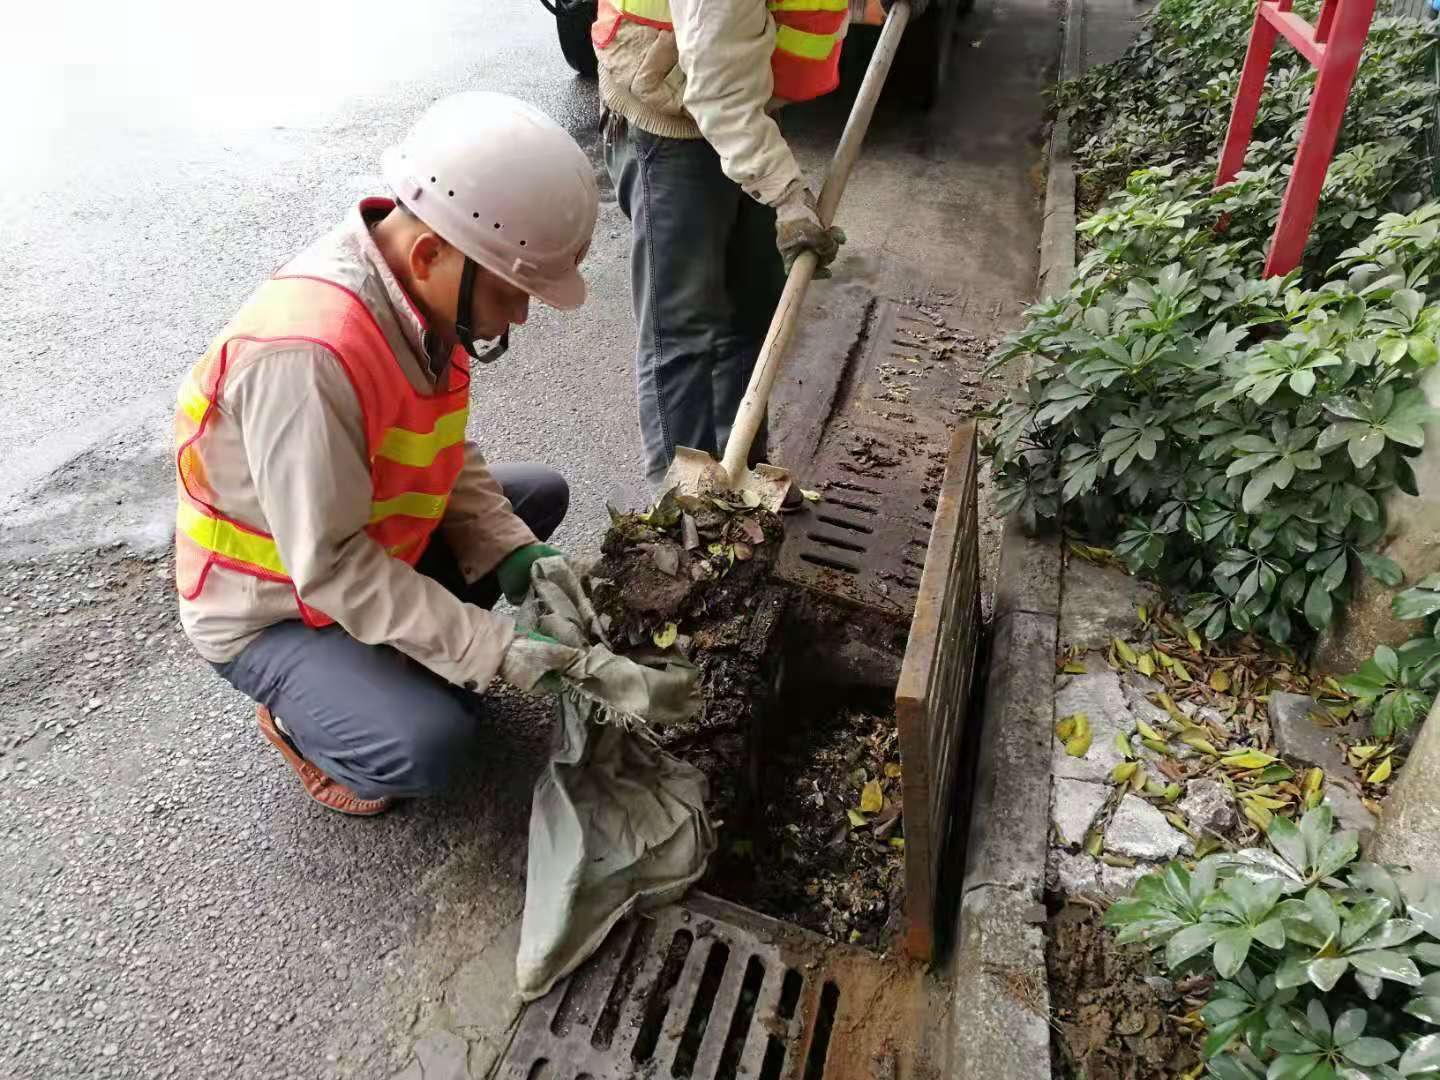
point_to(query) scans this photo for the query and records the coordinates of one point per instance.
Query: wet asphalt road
(181, 152)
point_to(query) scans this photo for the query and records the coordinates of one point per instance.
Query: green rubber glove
(514, 570)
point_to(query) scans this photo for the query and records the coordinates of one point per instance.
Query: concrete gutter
(1001, 1014)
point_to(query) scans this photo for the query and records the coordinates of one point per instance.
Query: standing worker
(717, 204)
(338, 542)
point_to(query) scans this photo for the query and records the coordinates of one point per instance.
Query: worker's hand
(798, 228)
(917, 7)
(514, 570)
(533, 662)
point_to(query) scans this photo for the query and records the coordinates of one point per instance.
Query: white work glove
(798, 228)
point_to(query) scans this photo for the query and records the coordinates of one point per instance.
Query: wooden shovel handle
(787, 312)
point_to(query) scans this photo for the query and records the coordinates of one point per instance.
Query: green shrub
(1233, 436)
(1323, 967)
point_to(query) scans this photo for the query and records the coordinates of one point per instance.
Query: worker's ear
(425, 254)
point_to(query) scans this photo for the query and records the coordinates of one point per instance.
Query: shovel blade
(694, 472)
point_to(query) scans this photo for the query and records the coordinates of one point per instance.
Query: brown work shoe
(330, 794)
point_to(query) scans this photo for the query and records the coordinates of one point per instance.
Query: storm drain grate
(706, 990)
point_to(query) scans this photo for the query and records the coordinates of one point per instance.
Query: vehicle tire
(573, 20)
(923, 61)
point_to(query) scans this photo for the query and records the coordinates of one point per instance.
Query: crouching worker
(338, 541)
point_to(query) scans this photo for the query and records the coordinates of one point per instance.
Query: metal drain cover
(706, 990)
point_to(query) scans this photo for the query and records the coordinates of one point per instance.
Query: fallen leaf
(1144, 614)
(1248, 759)
(665, 637)
(1122, 744)
(689, 532)
(1380, 773)
(750, 498)
(1172, 792)
(1196, 642)
(892, 770)
(857, 819)
(1095, 842)
(1146, 666)
(1125, 652)
(1205, 845)
(753, 530)
(743, 551)
(1197, 741)
(1074, 731)
(1179, 822)
(1313, 779)
(1156, 746)
(898, 843)
(1122, 773)
(1258, 815)
(1112, 859)
(811, 496)
(1219, 681)
(872, 798)
(1139, 779)
(1146, 731)
(666, 559)
(1075, 668)
(1182, 672)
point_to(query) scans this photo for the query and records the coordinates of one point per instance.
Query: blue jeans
(367, 715)
(705, 277)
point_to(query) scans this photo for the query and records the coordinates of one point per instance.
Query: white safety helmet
(504, 184)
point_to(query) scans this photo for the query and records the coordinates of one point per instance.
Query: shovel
(695, 472)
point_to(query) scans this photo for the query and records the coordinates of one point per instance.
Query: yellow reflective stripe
(416, 504)
(420, 448)
(805, 45)
(191, 401)
(654, 10)
(809, 5)
(223, 538)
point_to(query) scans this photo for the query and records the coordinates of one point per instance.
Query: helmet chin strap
(463, 316)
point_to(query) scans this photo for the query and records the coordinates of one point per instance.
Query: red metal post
(1333, 46)
(1317, 140)
(1247, 97)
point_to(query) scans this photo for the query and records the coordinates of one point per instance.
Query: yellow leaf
(1172, 792)
(1313, 779)
(1380, 773)
(1179, 822)
(1363, 753)
(1111, 859)
(1144, 615)
(1125, 652)
(892, 770)
(1372, 806)
(1157, 746)
(1137, 779)
(1122, 773)
(898, 843)
(1258, 815)
(1196, 642)
(1165, 661)
(666, 636)
(1146, 666)
(1219, 681)
(872, 798)
(1075, 667)
(1122, 744)
(1195, 740)
(1146, 731)
(1170, 706)
(857, 819)
(1075, 732)
(1248, 759)
(811, 496)
(1182, 672)
(1095, 842)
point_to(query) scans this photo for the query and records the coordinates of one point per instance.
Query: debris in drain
(805, 792)
(1114, 1013)
(829, 850)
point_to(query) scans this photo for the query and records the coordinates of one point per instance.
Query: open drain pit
(706, 990)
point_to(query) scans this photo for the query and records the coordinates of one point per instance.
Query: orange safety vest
(415, 442)
(806, 60)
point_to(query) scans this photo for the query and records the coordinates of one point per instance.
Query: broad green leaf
(1421, 1056)
(1386, 965)
(1367, 1051)
(1425, 1008)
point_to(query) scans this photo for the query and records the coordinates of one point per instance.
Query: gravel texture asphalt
(171, 904)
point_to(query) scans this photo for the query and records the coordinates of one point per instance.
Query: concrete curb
(1001, 1014)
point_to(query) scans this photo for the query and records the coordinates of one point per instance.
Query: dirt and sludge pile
(804, 771)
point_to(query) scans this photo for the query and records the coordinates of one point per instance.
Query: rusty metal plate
(880, 461)
(933, 697)
(706, 990)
